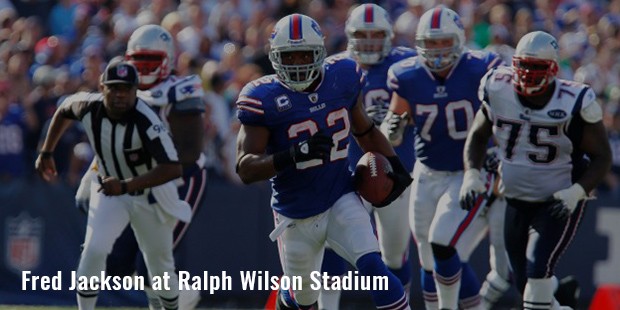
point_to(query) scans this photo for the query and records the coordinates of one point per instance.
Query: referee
(137, 162)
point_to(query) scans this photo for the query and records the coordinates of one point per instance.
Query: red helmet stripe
(295, 30)
(436, 19)
(368, 14)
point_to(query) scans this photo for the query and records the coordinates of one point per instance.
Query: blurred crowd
(50, 49)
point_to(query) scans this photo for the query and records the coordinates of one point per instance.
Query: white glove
(569, 198)
(472, 186)
(393, 127)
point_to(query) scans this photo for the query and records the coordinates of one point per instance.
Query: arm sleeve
(188, 96)
(591, 110)
(250, 108)
(75, 106)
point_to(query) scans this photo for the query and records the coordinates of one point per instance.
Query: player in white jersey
(437, 92)
(179, 103)
(543, 126)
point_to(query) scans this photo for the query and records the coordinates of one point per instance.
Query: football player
(369, 33)
(437, 93)
(295, 131)
(543, 126)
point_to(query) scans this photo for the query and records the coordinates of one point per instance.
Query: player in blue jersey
(369, 33)
(437, 91)
(295, 131)
(179, 103)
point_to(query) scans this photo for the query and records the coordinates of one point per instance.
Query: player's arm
(396, 119)
(477, 141)
(252, 162)
(68, 111)
(371, 139)
(188, 135)
(367, 135)
(474, 153)
(596, 145)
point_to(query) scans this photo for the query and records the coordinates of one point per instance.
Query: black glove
(317, 147)
(401, 178)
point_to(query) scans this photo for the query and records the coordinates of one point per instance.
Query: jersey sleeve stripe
(244, 99)
(494, 63)
(579, 102)
(251, 109)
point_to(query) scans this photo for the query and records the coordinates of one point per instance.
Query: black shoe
(568, 292)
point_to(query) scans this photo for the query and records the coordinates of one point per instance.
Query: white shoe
(188, 299)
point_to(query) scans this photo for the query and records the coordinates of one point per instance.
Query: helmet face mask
(297, 33)
(440, 38)
(369, 33)
(535, 63)
(151, 50)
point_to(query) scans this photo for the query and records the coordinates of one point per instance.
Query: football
(371, 177)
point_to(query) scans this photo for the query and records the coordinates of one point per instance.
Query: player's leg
(350, 234)
(192, 191)
(548, 240)
(107, 217)
(153, 230)
(393, 232)
(516, 235)
(422, 205)
(334, 266)
(301, 248)
(497, 281)
(454, 226)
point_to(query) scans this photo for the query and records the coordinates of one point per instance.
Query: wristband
(396, 164)
(123, 187)
(282, 160)
(365, 132)
(46, 154)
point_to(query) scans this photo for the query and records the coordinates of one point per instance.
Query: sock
(188, 299)
(170, 303)
(404, 276)
(469, 297)
(448, 281)
(287, 299)
(393, 298)
(87, 299)
(428, 290)
(334, 265)
(538, 294)
(154, 302)
(493, 289)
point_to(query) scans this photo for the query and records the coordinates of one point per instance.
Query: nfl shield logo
(23, 243)
(121, 71)
(314, 97)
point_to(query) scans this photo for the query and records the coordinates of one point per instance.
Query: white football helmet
(535, 63)
(435, 24)
(364, 19)
(151, 50)
(293, 33)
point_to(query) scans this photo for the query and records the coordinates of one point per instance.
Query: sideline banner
(41, 231)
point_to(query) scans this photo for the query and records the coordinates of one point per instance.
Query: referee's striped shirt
(125, 148)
